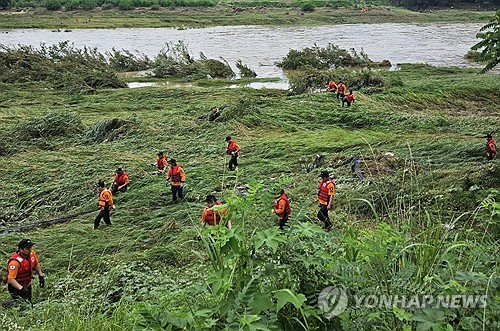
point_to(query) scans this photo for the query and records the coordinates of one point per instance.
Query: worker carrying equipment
(212, 215)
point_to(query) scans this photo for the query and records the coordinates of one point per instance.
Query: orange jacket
(21, 269)
(176, 173)
(105, 197)
(232, 147)
(326, 191)
(282, 206)
(491, 148)
(332, 86)
(161, 162)
(341, 88)
(121, 179)
(210, 216)
(349, 96)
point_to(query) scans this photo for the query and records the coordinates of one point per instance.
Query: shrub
(50, 125)
(307, 7)
(126, 61)
(53, 4)
(108, 130)
(245, 71)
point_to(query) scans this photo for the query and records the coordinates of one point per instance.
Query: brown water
(260, 46)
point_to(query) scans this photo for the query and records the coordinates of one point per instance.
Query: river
(261, 46)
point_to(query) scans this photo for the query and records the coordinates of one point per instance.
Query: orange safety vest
(120, 180)
(104, 197)
(332, 86)
(175, 174)
(161, 162)
(232, 147)
(323, 189)
(210, 215)
(287, 210)
(349, 97)
(341, 88)
(491, 148)
(25, 268)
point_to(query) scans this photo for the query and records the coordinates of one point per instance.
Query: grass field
(422, 155)
(227, 15)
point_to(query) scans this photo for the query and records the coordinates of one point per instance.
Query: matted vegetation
(423, 221)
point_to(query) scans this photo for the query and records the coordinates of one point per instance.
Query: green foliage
(53, 4)
(50, 125)
(245, 71)
(109, 130)
(490, 44)
(4, 4)
(126, 61)
(174, 60)
(327, 57)
(61, 65)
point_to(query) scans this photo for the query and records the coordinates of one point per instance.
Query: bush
(245, 71)
(108, 130)
(51, 125)
(126, 61)
(53, 4)
(307, 7)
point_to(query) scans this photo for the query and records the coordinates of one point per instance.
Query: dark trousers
(233, 163)
(103, 214)
(340, 95)
(17, 294)
(323, 217)
(282, 222)
(176, 192)
(346, 101)
(115, 189)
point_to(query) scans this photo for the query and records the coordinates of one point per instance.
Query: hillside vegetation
(423, 221)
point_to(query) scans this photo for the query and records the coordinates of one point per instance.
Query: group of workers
(346, 96)
(24, 263)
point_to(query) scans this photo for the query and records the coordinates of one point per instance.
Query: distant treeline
(304, 4)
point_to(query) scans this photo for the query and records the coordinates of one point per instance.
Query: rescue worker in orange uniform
(341, 88)
(282, 209)
(21, 267)
(326, 192)
(105, 204)
(161, 163)
(491, 147)
(177, 178)
(232, 149)
(332, 86)
(348, 99)
(211, 216)
(120, 183)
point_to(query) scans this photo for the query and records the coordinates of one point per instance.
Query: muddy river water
(261, 46)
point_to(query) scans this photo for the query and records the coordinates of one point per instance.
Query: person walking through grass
(491, 147)
(348, 99)
(21, 267)
(341, 88)
(105, 204)
(282, 209)
(232, 149)
(161, 163)
(177, 178)
(326, 192)
(120, 183)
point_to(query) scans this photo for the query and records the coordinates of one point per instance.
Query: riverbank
(227, 16)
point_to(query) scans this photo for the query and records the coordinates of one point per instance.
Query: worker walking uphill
(21, 267)
(120, 183)
(491, 147)
(341, 88)
(232, 149)
(105, 204)
(177, 178)
(348, 99)
(161, 163)
(282, 209)
(326, 192)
